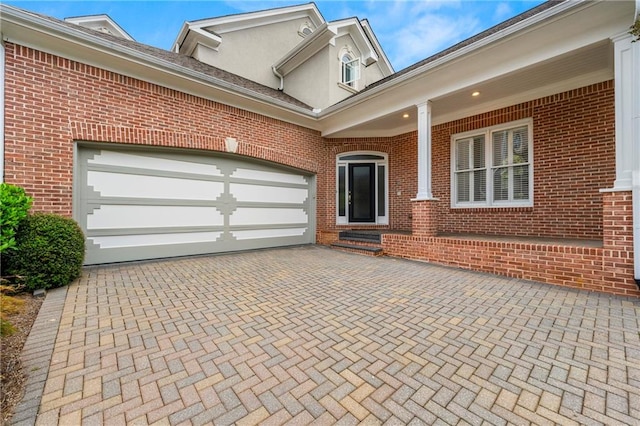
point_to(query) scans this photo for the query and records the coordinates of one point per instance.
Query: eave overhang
(29, 30)
(225, 24)
(103, 20)
(304, 50)
(353, 27)
(556, 32)
(198, 36)
(384, 61)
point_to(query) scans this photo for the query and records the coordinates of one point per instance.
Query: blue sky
(407, 30)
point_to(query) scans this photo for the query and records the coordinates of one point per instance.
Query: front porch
(604, 265)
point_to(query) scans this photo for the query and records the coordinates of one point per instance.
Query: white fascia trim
(79, 20)
(23, 19)
(264, 17)
(197, 36)
(346, 26)
(519, 26)
(240, 21)
(304, 50)
(374, 40)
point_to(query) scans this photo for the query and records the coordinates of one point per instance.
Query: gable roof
(469, 41)
(185, 62)
(102, 23)
(227, 23)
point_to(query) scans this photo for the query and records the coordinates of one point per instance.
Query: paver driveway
(307, 334)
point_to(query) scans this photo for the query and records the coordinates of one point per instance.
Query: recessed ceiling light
(405, 115)
(475, 94)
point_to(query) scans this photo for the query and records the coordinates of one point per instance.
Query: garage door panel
(142, 205)
(115, 184)
(268, 194)
(145, 240)
(253, 234)
(147, 161)
(268, 216)
(133, 216)
(261, 175)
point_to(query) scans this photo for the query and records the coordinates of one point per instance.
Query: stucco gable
(185, 62)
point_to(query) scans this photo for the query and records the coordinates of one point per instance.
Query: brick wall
(403, 175)
(52, 102)
(606, 269)
(574, 157)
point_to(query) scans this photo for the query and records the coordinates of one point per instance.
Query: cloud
(410, 31)
(427, 33)
(502, 12)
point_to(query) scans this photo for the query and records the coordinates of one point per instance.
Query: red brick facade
(51, 103)
(608, 268)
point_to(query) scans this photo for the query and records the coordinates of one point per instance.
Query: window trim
(489, 167)
(354, 62)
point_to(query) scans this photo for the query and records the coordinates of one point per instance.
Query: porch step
(361, 236)
(360, 249)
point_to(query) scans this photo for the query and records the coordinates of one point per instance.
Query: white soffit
(563, 41)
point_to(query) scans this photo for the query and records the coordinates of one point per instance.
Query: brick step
(368, 250)
(365, 237)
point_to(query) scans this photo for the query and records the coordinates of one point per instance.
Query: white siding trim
(2, 57)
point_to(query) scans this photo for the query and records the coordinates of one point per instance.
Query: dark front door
(362, 192)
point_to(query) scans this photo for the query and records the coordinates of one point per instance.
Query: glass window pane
(361, 157)
(501, 184)
(500, 148)
(342, 191)
(462, 154)
(381, 191)
(480, 185)
(462, 186)
(521, 183)
(520, 145)
(478, 152)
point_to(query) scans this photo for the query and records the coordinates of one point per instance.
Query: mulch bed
(12, 376)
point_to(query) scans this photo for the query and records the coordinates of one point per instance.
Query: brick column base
(425, 223)
(617, 241)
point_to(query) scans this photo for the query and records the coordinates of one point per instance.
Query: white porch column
(424, 152)
(627, 104)
(2, 66)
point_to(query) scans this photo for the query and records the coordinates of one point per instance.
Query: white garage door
(135, 205)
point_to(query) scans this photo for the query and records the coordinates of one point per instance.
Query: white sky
(408, 31)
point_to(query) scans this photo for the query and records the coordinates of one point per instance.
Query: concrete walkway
(309, 335)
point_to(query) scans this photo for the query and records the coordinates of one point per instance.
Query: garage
(146, 204)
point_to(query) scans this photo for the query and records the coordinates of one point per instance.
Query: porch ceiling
(587, 65)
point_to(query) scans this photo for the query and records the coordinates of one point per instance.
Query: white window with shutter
(493, 167)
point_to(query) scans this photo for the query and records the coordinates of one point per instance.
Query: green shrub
(49, 251)
(14, 207)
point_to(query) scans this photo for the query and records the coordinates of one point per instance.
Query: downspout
(280, 76)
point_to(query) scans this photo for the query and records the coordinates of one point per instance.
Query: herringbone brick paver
(307, 335)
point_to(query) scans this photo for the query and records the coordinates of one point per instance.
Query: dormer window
(350, 70)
